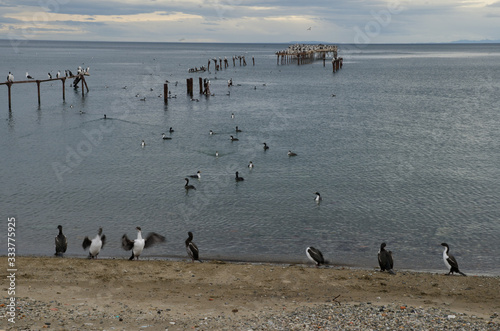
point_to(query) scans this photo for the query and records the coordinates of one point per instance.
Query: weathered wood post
(10, 103)
(189, 82)
(165, 92)
(38, 88)
(200, 81)
(63, 89)
(253, 60)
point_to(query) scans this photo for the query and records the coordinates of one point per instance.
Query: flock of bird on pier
(67, 74)
(137, 246)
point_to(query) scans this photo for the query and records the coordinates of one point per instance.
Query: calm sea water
(406, 152)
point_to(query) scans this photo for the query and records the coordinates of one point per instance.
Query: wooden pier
(304, 53)
(77, 78)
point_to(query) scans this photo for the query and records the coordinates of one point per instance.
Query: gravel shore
(81, 294)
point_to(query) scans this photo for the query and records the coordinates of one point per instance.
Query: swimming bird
(216, 154)
(164, 137)
(143, 144)
(238, 178)
(211, 132)
(50, 75)
(198, 175)
(232, 115)
(318, 197)
(95, 244)
(449, 261)
(290, 153)
(265, 147)
(191, 248)
(187, 186)
(138, 245)
(105, 117)
(28, 76)
(10, 77)
(250, 165)
(315, 255)
(234, 139)
(170, 130)
(238, 130)
(61, 242)
(385, 260)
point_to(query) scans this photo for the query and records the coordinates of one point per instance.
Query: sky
(251, 21)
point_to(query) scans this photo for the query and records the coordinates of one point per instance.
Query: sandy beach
(116, 294)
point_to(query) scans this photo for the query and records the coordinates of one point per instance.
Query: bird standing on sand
(385, 260)
(138, 245)
(95, 244)
(61, 242)
(449, 261)
(187, 186)
(315, 255)
(191, 248)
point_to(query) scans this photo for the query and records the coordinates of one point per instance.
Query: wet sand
(76, 293)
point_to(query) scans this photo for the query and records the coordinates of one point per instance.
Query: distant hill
(484, 41)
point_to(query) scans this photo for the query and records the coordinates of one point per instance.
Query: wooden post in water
(63, 89)
(165, 92)
(38, 88)
(83, 91)
(189, 82)
(200, 81)
(10, 103)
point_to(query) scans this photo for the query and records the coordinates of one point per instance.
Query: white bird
(143, 143)
(10, 77)
(58, 75)
(318, 197)
(28, 76)
(95, 244)
(250, 165)
(138, 245)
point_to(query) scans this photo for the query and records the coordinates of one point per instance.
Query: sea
(402, 143)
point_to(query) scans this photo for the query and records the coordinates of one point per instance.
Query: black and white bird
(29, 76)
(10, 77)
(138, 245)
(187, 186)
(238, 130)
(318, 197)
(290, 153)
(198, 175)
(50, 75)
(265, 147)
(449, 261)
(143, 143)
(238, 178)
(191, 248)
(95, 244)
(315, 255)
(234, 139)
(250, 165)
(164, 137)
(385, 260)
(58, 75)
(61, 242)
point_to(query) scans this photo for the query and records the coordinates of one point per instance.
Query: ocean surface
(403, 143)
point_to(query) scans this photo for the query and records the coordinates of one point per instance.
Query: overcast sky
(333, 21)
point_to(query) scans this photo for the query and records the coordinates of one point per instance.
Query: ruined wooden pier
(305, 53)
(77, 78)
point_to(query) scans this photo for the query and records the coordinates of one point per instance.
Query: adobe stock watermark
(38, 21)
(373, 28)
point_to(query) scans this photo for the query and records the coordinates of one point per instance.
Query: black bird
(164, 137)
(50, 75)
(315, 255)
(385, 260)
(238, 130)
(191, 248)
(234, 139)
(95, 244)
(238, 178)
(449, 261)
(170, 130)
(265, 147)
(290, 153)
(187, 186)
(138, 245)
(61, 242)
